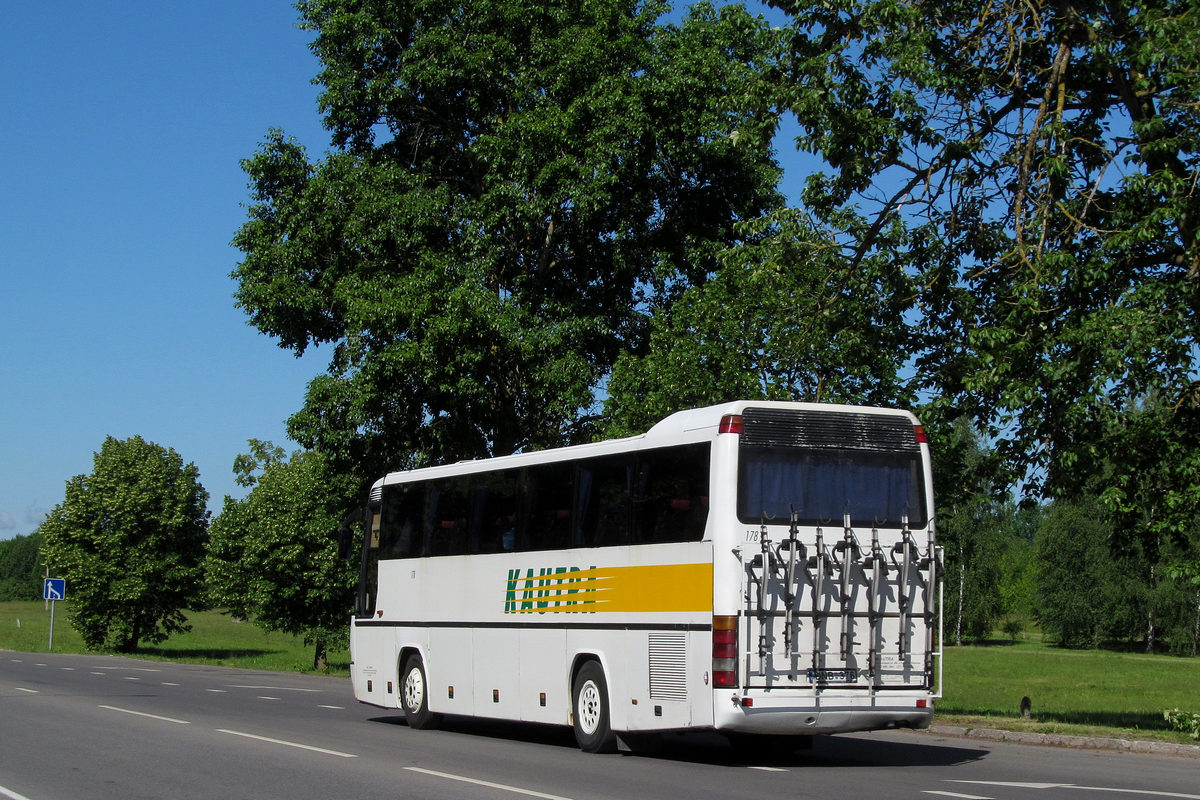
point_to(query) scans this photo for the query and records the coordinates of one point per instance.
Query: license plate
(833, 676)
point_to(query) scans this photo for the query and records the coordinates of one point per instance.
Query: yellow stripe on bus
(656, 587)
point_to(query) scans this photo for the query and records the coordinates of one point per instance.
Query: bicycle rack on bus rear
(790, 564)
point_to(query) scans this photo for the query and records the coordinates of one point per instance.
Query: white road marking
(264, 697)
(1014, 784)
(337, 708)
(29, 691)
(217, 691)
(288, 744)
(272, 688)
(11, 795)
(502, 787)
(1111, 789)
(144, 714)
(1148, 792)
(956, 794)
(168, 683)
(768, 769)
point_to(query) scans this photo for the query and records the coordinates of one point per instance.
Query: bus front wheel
(593, 730)
(414, 695)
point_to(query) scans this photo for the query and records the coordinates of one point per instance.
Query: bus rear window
(821, 485)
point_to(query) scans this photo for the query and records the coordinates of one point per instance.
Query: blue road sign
(54, 589)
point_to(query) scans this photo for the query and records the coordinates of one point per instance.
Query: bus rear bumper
(790, 713)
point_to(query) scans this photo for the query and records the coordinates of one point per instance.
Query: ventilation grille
(668, 666)
(376, 494)
(769, 427)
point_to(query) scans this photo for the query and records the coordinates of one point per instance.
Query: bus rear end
(827, 581)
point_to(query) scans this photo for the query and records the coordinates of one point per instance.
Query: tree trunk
(1150, 620)
(1196, 632)
(962, 579)
(128, 644)
(319, 661)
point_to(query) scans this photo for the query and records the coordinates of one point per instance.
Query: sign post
(54, 589)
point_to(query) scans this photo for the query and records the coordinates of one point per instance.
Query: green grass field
(1091, 692)
(215, 638)
(1097, 692)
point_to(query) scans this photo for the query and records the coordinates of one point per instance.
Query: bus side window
(401, 522)
(604, 501)
(429, 527)
(451, 514)
(671, 494)
(549, 525)
(497, 500)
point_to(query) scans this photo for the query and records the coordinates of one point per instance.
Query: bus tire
(414, 695)
(590, 717)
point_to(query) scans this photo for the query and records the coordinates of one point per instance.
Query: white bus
(754, 568)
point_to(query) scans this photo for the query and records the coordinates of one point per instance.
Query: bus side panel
(449, 672)
(496, 666)
(367, 661)
(545, 696)
(666, 675)
(504, 629)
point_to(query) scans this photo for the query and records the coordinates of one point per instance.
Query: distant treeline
(21, 570)
(1062, 567)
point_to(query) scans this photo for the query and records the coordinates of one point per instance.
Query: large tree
(1033, 167)
(511, 184)
(129, 539)
(272, 557)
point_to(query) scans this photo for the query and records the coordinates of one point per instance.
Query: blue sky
(122, 129)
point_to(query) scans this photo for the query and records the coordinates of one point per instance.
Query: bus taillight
(724, 651)
(731, 423)
(919, 434)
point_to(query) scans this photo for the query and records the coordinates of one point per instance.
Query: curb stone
(1063, 740)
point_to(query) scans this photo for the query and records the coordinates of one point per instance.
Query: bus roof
(682, 427)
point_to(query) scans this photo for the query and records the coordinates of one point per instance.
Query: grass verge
(1076, 692)
(215, 638)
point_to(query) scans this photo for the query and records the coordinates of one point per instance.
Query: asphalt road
(83, 727)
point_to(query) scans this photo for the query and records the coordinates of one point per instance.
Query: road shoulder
(1063, 740)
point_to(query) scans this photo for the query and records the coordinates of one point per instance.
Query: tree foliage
(129, 539)
(782, 319)
(21, 568)
(272, 557)
(509, 182)
(1073, 556)
(981, 532)
(1037, 167)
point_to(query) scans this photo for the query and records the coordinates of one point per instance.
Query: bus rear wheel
(414, 695)
(591, 720)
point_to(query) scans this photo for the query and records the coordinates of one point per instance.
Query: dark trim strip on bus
(594, 626)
